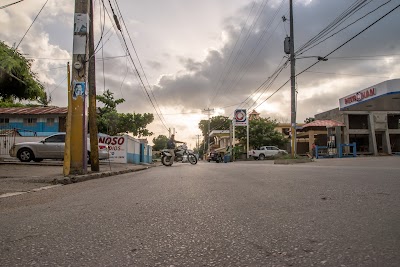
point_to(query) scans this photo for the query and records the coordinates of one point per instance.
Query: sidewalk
(16, 176)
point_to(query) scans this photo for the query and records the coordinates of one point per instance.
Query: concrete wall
(133, 151)
(334, 114)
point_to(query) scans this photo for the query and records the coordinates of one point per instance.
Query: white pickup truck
(266, 151)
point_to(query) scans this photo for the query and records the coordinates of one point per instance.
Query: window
(4, 120)
(59, 138)
(30, 121)
(286, 131)
(50, 122)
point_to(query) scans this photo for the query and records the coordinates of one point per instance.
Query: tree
(111, 122)
(160, 142)
(261, 133)
(110, 104)
(216, 123)
(17, 81)
(308, 120)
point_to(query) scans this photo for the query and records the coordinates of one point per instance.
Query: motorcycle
(182, 154)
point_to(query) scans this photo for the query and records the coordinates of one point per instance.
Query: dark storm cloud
(225, 78)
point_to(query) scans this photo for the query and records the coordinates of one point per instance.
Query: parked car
(266, 151)
(214, 156)
(51, 147)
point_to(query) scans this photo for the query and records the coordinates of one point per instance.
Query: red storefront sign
(360, 96)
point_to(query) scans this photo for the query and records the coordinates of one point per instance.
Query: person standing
(313, 150)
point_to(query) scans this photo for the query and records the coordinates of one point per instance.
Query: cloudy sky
(214, 54)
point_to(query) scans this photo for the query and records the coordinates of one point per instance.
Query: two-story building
(371, 118)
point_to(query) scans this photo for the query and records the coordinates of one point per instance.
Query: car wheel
(261, 157)
(38, 160)
(25, 155)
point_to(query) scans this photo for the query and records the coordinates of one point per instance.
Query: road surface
(327, 213)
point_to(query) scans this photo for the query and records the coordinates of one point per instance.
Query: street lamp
(318, 57)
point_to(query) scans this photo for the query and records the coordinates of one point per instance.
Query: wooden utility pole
(208, 110)
(67, 148)
(293, 82)
(198, 142)
(94, 143)
(79, 87)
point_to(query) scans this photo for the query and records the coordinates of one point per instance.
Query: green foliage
(111, 122)
(216, 123)
(308, 120)
(110, 104)
(17, 81)
(9, 103)
(160, 142)
(262, 133)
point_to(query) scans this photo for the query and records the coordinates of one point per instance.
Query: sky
(212, 54)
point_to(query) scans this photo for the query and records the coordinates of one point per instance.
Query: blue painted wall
(133, 158)
(38, 127)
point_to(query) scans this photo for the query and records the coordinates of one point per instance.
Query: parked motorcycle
(182, 154)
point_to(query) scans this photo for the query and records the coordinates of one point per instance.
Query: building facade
(371, 118)
(34, 121)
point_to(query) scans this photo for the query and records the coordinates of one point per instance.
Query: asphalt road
(327, 213)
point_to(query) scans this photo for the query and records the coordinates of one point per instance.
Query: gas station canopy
(384, 96)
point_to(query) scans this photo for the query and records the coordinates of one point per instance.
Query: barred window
(4, 120)
(50, 122)
(30, 121)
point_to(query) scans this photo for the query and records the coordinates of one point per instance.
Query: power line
(1, 7)
(232, 65)
(31, 24)
(369, 26)
(333, 25)
(133, 63)
(64, 59)
(140, 63)
(347, 74)
(230, 54)
(245, 66)
(345, 27)
(57, 86)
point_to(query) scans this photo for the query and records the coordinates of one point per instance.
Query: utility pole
(208, 110)
(198, 142)
(230, 139)
(94, 142)
(293, 82)
(79, 77)
(67, 146)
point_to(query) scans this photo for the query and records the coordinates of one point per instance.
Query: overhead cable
(31, 24)
(2, 7)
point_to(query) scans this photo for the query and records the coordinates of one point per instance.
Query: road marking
(29, 191)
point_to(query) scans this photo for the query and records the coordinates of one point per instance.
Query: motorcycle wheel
(166, 161)
(192, 159)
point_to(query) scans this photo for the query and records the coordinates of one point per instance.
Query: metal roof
(33, 111)
(323, 123)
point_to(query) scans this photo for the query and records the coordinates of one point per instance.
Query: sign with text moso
(117, 147)
(240, 117)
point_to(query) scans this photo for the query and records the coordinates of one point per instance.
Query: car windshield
(60, 138)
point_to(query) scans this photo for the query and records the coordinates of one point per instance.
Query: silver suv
(51, 147)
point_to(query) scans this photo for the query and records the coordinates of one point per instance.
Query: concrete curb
(291, 161)
(97, 175)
